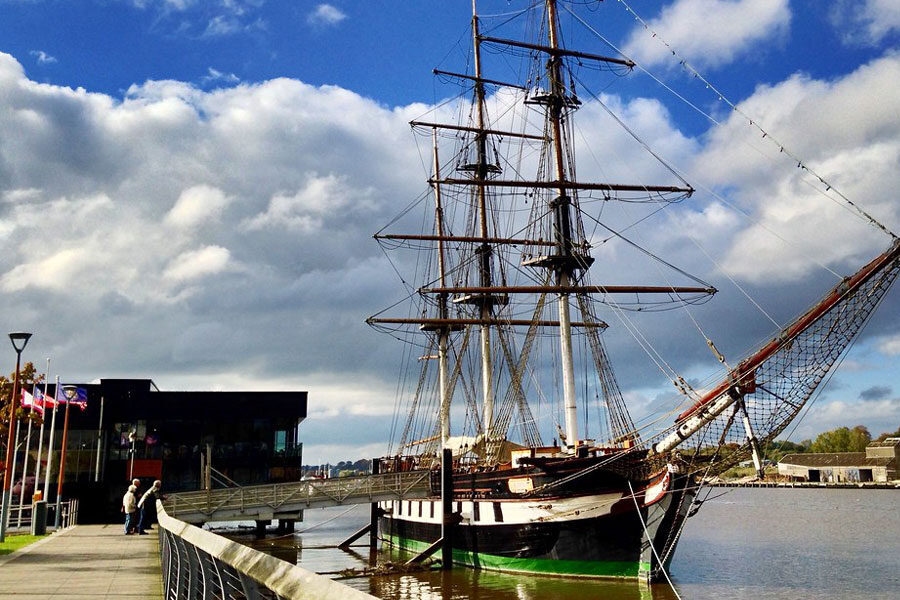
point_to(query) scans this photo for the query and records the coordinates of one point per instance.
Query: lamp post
(132, 436)
(70, 392)
(19, 341)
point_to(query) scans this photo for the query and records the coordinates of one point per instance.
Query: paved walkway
(87, 561)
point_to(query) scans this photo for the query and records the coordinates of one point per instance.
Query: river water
(759, 544)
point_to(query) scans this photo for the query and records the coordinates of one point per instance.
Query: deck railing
(200, 565)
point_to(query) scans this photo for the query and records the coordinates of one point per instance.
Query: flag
(80, 399)
(28, 401)
(42, 402)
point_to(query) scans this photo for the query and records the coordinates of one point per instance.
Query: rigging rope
(765, 134)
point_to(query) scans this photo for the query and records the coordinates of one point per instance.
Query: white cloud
(729, 28)
(168, 5)
(306, 210)
(325, 14)
(856, 150)
(865, 23)
(890, 346)
(216, 75)
(222, 25)
(198, 263)
(42, 57)
(196, 205)
(877, 415)
(143, 204)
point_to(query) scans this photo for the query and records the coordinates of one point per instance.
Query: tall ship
(513, 288)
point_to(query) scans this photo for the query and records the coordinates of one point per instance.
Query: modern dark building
(130, 428)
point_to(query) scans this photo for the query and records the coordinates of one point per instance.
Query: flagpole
(25, 461)
(62, 459)
(12, 477)
(37, 475)
(50, 445)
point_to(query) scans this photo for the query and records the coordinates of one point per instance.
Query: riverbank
(867, 485)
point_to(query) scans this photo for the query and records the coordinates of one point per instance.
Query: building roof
(835, 459)
(887, 443)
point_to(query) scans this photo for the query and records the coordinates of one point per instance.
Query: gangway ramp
(286, 500)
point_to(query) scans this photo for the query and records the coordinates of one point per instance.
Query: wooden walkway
(286, 500)
(86, 561)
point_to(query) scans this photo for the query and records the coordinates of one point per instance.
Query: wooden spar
(464, 238)
(497, 132)
(731, 389)
(556, 51)
(573, 289)
(495, 321)
(749, 365)
(569, 185)
(480, 80)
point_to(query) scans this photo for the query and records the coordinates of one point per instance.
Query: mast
(443, 335)
(562, 229)
(484, 250)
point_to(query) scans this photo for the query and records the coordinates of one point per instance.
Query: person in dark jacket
(147, 506)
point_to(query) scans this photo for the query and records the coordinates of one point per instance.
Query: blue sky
(207, 175)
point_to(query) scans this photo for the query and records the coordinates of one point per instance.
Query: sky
(188, 188)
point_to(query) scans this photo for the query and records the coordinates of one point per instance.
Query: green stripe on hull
(543, 566)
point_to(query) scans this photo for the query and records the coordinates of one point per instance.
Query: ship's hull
(606, 534)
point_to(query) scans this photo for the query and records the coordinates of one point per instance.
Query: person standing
(147, 506)
(129, 507)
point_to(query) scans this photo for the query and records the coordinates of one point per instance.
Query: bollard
(39, 517)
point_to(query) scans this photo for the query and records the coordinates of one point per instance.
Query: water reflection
(316, 551)
(462, 583)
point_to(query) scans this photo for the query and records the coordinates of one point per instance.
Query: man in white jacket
(129, 507)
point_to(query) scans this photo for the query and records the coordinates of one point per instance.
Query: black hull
(616, 544)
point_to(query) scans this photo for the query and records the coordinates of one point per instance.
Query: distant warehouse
(880, 462)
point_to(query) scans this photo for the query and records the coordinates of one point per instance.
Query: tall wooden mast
(485, 250)
(444, 331)
(562, 228)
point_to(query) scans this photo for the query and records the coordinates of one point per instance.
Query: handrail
(200, 564)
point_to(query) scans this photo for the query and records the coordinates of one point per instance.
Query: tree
(27, 378)
(842, 439)
(892, 434)
(778, 448)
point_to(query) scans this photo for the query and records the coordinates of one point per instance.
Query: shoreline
(868, 485)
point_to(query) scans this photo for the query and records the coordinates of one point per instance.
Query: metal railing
(270, 499)
(68, 513)
(21, 517)
(200, 565)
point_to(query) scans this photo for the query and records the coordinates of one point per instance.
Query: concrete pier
(86, 561)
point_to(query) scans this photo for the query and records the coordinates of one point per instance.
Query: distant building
(130, 428)
(880, 462)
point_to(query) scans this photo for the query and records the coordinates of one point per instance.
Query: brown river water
(758, 544)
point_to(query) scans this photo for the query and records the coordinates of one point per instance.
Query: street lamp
(70, 391)
(132, 436)
(19, 341)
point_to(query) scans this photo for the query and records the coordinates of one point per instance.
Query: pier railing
(20, 517)
(271, 500)
(200, 565)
